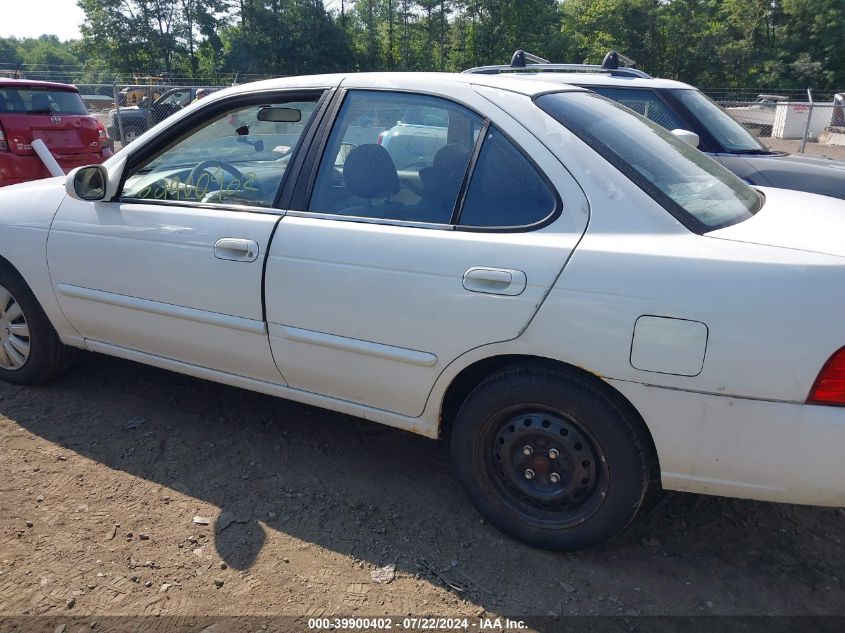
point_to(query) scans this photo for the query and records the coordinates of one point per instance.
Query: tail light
(3, 145)
(380, 138)
(105, 140)
(829, 387)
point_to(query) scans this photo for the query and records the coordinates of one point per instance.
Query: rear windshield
(699, 192)
(38, 101)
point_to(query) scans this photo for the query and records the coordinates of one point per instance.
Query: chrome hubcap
(14, 332)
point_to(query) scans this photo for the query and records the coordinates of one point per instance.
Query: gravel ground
(131, 490)
(836, 152)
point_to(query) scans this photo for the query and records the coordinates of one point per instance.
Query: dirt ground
(104, 472)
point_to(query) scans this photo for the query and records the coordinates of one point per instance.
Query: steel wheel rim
(14, 333)
(579, 464)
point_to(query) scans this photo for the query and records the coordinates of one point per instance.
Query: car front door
(172, 267)
(415, 250)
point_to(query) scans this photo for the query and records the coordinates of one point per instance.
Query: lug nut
(527, 450)
(553, 453)
(529, 474)
(554, 477)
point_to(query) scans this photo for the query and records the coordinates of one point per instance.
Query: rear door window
(396, 156)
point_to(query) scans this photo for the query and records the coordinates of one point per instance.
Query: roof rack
(519, 64)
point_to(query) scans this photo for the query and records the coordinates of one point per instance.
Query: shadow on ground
(386, 496)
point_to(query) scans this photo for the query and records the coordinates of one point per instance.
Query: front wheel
(30, 349)
(549, 457)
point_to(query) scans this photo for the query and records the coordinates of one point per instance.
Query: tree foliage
(739, 44)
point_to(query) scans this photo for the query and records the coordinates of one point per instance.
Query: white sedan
(582, 303)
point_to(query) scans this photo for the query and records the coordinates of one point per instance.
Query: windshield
(733, 138)
(699, 192)
(36, 101)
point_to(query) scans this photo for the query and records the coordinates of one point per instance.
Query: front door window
(239, 157)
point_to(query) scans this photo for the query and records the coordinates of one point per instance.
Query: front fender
(26, 213)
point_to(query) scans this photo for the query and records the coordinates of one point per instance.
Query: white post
(47, 158)
(117, 108)
(809, 118)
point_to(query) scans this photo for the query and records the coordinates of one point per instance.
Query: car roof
(30, 83)
(404, 81)
(603, 79)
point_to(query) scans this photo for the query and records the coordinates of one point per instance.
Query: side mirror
(687, 137)
(96, 182)
(87, 183)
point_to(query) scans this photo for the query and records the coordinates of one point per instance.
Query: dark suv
(137, 119)
(679, 106)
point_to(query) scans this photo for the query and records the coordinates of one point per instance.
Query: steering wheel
(204, 165)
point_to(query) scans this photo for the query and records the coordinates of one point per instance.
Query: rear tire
(550, 458)
(30, 349)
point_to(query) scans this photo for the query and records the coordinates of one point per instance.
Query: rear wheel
(30, 349)
(549, 458)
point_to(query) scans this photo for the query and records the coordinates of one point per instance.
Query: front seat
(370, 173)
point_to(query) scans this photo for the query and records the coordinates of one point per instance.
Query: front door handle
(236, 250)
(499, 281)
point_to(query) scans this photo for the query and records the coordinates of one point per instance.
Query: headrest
(369, 172)
(446, 172)
(40, 102)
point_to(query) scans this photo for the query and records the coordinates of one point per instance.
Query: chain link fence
(128, 105)
(803, 122)
(127, 110)
(796, 121)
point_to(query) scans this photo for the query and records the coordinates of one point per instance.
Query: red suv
(54, 113)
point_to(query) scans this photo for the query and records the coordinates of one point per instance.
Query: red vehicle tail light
(3, 145)
(104, 135)
(829, 387)
(380, 138)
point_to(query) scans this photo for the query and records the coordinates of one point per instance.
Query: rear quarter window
(506, 189)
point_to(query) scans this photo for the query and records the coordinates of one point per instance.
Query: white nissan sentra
(582, 303)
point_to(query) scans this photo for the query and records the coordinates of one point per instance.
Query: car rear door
(375, 289)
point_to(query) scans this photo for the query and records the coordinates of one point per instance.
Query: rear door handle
(499, 281)
(236, 250)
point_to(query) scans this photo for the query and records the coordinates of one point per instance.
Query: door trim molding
(163, 309)
(357, 346)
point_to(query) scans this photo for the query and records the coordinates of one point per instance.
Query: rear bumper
(752, 449)
(15, 169)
